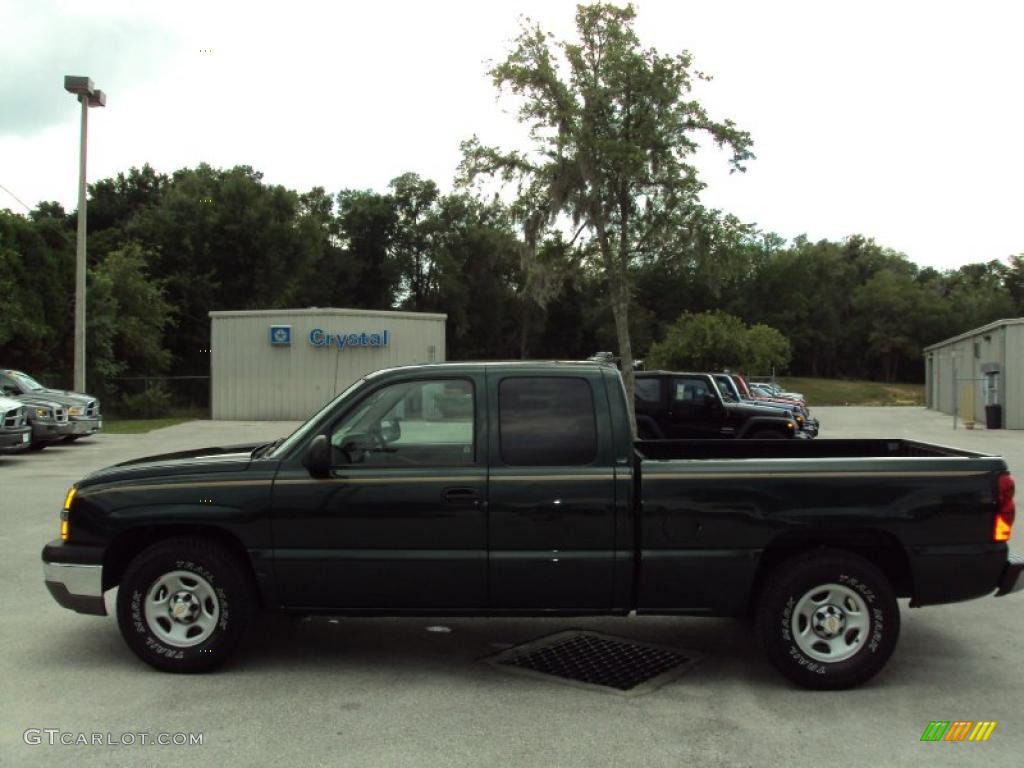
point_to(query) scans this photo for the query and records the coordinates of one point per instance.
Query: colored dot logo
(205, 199)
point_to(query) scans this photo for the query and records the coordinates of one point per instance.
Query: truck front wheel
(828, 619)
(183, 605)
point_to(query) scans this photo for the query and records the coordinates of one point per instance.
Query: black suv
(688, 405)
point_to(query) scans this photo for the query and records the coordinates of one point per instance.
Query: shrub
(153, 402)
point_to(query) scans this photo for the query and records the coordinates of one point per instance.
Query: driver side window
(425, 423)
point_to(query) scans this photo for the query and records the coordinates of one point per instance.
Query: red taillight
(1006, 510)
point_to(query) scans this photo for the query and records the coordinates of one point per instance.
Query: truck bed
(660, 450)
(710, 508)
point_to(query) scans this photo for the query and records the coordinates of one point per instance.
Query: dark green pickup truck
(505, 488)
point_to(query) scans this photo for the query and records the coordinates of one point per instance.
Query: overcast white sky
(898, 120)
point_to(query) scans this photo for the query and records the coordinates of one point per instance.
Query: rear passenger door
(551, 510)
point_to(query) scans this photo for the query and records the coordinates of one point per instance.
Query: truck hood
(750, 411)
(784, 408)
(7, 404)
(167, 465)
(36, 398)
(62, 396)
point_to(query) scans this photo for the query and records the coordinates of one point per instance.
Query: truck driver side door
(399, 524)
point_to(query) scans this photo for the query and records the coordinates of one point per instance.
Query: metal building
(979, 368)
(286, 363)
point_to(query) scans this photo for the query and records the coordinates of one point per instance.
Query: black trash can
(993, 417)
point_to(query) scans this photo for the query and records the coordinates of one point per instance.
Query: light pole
(88, 96)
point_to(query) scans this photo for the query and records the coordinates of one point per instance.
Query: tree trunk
(618, 291)
(524, 329)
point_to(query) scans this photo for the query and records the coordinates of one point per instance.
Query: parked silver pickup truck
(48, 419)
(15, 433)
(83, 411)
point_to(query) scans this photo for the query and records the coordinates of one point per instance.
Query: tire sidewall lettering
(154, 646)
(876, 626)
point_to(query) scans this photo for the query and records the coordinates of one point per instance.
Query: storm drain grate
(591, 659)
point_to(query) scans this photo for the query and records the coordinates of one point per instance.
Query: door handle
(462, 497)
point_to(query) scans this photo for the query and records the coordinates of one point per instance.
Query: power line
(5, 189)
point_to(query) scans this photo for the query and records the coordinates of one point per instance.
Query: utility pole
(88, 96)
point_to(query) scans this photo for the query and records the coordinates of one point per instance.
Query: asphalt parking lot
(386, 692)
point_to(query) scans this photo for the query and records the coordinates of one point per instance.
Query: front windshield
(25, 380)
(299, 434)
(725, 387)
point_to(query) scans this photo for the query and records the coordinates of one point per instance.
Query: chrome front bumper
(15, 439)
(50, 431)
(78, 587)
(85, 426)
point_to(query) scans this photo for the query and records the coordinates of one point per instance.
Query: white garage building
(286, 363)
(981, 367)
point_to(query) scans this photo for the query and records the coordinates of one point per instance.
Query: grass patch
(854, 392)
(138, 426)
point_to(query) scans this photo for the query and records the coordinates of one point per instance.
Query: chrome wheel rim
(830, 623)
(181, 609)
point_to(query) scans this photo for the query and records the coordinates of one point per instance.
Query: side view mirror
(318, 457)
(391, 429)
(710, 401)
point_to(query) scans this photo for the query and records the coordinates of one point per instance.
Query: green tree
(767, 350)
(614, 130)
(1014, 282)
(415, 202)
(889, 306)
(709, 341)
(367, 225)
(36, 278)
(128, 316)
(478, 278)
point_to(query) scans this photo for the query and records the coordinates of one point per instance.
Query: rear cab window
(546, 421)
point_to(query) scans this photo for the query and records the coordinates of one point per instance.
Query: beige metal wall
(253, 380)
(1000, 344)
(1014, 377)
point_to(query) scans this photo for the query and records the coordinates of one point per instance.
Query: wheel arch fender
(650, 424)
(131, 541)
(880, 548)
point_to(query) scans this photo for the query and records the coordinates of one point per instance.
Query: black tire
(837, 573)
(37, 446)
(767, 434)
(223, 592)
(71, 438)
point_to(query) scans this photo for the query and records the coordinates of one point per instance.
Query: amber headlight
(76, 411)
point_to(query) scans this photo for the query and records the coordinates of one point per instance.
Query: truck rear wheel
(183, 605)
(828, 619)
